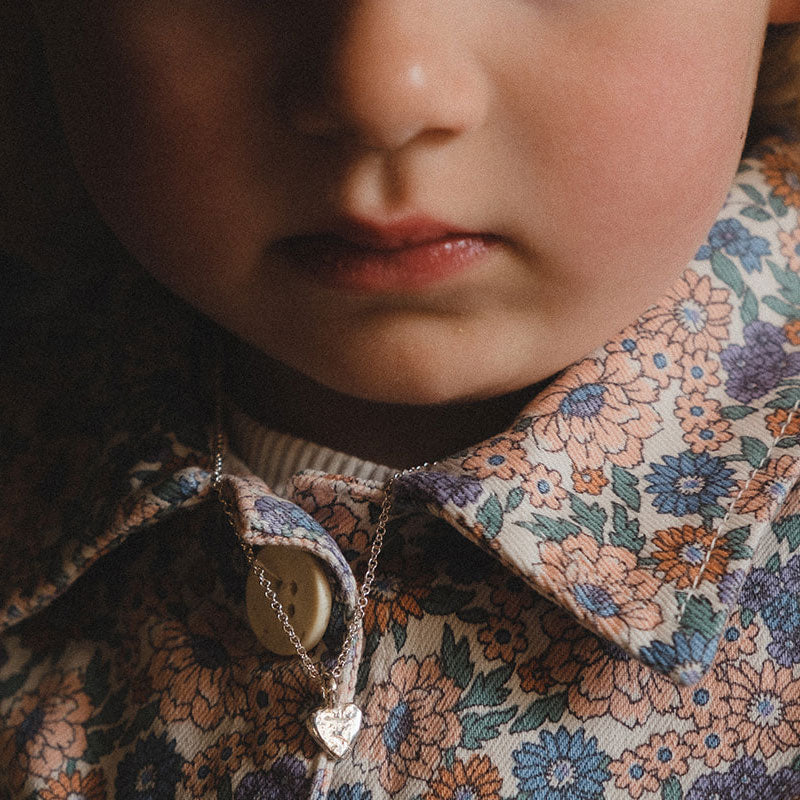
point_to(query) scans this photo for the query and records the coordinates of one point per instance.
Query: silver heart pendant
(335, 728)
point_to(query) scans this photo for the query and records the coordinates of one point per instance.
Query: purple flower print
(732, 237)
(790, 574)
(285, 780)
(730, 586)
(747, 779)
(783, 612)
(750, 374)
(764, 337)
(785, 646)
(758, 367)
(440, 487)
(760, 589)
(283, 517)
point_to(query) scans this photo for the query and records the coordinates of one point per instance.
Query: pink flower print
(790, 248)
(699, 372)
(544, 488)
(766, 488)
(501, 458)
(664, 755)
(598, 411)
(765, 707)
(714, 744)
(660, 358)
(601, 584)
(694, 313)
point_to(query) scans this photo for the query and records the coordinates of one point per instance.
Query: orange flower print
(737, 641)
(224, 757)
(502, 638)
(664, 755)
(501, 458)
(661, 359)
(792, 331)
(597, 412)
(695, 411)
(201, 667)
(780, 170)
(510, 594)
(603, 679)
(392, 600)
(682, 553)
(699, 372)
(631, 774)
(790, 248)
(544, 488)
(710, 438)
(704, 703)
(714, 744)
(45, 728)
(694, 314)
(478, 779)
(766, 487)
(601, 585)
(589, 481)
(780, 424)
(318, 499)
(75, 787)
(765, 707)
(279, 702)
(409, 722)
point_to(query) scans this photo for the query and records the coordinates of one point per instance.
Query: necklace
(333, 725)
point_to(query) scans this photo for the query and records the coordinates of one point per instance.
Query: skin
(598, 138)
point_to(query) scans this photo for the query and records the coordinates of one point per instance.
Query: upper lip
(395, 235)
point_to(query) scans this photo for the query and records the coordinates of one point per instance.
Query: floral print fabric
(601, 602)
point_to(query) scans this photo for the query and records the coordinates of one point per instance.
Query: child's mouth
(407, 256)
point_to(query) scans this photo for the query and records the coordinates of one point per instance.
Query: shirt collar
(633, 492)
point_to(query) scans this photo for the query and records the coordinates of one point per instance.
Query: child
(482, 493)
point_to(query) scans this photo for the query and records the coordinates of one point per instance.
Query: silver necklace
(333, 725)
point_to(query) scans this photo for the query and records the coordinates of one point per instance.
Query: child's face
(595, 138)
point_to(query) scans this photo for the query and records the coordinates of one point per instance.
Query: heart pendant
(335, 727)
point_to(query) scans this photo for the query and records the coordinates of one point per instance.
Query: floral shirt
(601, 602)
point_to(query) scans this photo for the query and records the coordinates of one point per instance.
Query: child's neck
(395, 435)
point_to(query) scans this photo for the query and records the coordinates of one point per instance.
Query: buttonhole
(293, 587)
(290, 610)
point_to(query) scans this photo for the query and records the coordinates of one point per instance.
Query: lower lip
(345, 266)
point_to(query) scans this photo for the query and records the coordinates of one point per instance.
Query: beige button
(299, 581)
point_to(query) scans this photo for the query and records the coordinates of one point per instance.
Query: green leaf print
(756, 213)
(623, 484)
(515, 497)
(490, 516)
(487, 689)
(786, 399)
(533, 717)
(736, 541)
(445, 600)
(698, 615)
(671, 789)
(96, 681)
(626, 531)
(788, 529)
(224, 788)
(479, 728)
(589, 516)
(727, 272)
(778, 206)
(784, 309)
(736, 412)
(545, 528)
(455, 658)
(399, 634)
(143, 720)
(749, 307)
(754, 450)
(789, 281)
(753, 193)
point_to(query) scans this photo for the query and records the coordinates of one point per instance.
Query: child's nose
(398, 69)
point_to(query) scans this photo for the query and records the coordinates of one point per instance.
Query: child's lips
(406, 256)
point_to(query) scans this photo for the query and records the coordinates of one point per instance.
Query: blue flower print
(438, 486)
(284, 518)
(285, 780)
(688, 658)
(732, 237)
(561, 767)
(686, 483)
(356, 791)
(150, 772)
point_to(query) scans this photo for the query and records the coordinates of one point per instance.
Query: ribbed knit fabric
(276, 456)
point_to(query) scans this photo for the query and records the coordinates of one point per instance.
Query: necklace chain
(326, 677)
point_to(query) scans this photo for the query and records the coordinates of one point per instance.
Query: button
(299, 581)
